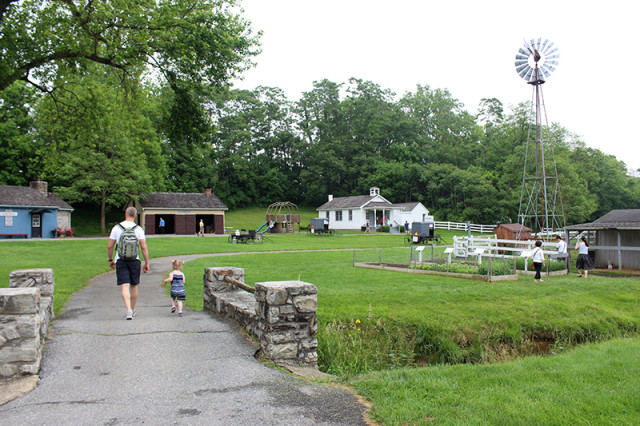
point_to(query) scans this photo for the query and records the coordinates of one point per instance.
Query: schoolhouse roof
(356, 202)
(25, 196)
(182, 200)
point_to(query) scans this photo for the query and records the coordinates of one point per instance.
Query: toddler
(178, 293)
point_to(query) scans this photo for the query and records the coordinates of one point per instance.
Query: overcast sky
(467, 47)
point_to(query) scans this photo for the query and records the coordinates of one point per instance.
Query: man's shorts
(128, 271)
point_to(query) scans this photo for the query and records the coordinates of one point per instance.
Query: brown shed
(181, 213)
(509, 231)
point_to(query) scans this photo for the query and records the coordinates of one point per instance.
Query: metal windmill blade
(536, 60)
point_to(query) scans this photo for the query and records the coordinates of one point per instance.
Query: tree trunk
(103, 224)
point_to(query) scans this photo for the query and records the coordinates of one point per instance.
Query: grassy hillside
(253, 217)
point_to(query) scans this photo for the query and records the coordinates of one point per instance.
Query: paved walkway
(101, 369)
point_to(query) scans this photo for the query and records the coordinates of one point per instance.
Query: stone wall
(281, 315)
(26, 308)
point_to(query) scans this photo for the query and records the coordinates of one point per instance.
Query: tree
(17, 137)
(98, 146)
(448, 133)
(202, 41)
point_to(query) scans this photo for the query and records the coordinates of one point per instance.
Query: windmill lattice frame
(541, 206)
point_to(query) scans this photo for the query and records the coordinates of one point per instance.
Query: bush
(383, 228)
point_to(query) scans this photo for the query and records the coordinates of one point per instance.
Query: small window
(35, 221)
(350, 215)
(327, 214)
(338, 215)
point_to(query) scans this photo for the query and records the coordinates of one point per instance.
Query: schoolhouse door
(36, 226)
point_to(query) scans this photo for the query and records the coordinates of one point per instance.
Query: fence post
(490, 268)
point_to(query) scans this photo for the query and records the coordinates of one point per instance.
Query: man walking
(127, 235)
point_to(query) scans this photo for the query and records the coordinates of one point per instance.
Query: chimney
(40, 186)
(330, 197)
(207, 191)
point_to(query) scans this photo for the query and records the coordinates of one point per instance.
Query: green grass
(381, 320)
(253, 217)
(75, 260)
(592, 384)
(447, 319)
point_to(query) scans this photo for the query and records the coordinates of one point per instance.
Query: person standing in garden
(127, 236)
(584, 262)
(562, 247)
(538, 260)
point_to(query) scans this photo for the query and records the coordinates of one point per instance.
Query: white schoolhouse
(352, 213)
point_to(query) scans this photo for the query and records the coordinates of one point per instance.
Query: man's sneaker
(129, 315)
(179, 314)
(134, 313)
(173, 309)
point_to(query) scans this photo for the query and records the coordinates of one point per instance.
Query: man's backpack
(128, 243)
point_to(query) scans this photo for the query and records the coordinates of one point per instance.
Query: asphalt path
(100, 369)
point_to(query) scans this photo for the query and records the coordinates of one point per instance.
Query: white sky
(467, 47)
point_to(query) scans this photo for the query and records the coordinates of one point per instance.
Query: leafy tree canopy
(204, 41)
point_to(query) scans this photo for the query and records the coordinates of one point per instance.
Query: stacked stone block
(288, 321)
(26, 308)
(228, 301)
(281, 315)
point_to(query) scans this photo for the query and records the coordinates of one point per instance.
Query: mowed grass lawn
(407, 319)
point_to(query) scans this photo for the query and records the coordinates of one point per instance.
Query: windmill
(540, 202)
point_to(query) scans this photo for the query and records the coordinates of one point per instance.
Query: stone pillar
(287, 321)
(38, 278)
(21, 340)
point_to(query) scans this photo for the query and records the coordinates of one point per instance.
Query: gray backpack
(128, 243)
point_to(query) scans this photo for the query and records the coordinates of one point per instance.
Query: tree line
(160, 117)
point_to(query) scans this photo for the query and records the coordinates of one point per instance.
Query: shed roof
(25, 196)
(513, 227)
(182, 200)
(615, 219)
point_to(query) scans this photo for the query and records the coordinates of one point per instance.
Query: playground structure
(281, 217)
(319, 226)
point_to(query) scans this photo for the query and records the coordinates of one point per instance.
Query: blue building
(32, 212)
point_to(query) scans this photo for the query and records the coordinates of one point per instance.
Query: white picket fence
(459, 226)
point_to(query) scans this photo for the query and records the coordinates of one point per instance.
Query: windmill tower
(540, 202)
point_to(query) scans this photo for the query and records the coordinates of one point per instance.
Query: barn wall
(630, 259)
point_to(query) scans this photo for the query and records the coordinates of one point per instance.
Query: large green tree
(98, 145)
(202, 41)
